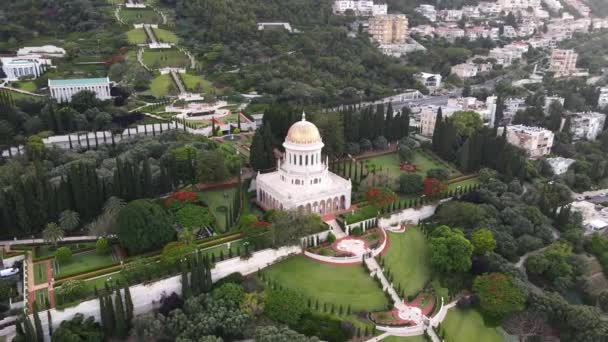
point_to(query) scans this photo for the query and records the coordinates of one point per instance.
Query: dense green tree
(450, 250)
(498, 295)
(483, 241)
(410, 184)
(211, 167)
(79, 329)
(143, 226)
(270, 333)
(466, 122)
(285, 306)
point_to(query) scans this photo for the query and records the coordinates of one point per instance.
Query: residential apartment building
(389, 29)
(518, 4)
(553, 5)
(449, 33)
(427, 11)
(602, 101)
(450, 15)
(586, 125)
(535, 141)
(423, 30)
(512, 105)
(360, 7)
(560, 165)
(563, 62)
(431, 81)
(490, 8)
(470, 69)
(428, 114)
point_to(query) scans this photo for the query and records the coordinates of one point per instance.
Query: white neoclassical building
(16, 68)
(63, 90)
(302, 180)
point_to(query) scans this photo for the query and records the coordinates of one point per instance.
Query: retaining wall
(146, 296)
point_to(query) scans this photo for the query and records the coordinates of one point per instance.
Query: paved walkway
(34, 241)
(150, 34)
(178, 82)
(336, 229)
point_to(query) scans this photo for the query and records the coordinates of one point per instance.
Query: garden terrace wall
(314, 239)
(364, 225)
(408, 216)
(11, 260)
(146, 296)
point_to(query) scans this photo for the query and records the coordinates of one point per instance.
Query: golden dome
(303, 132)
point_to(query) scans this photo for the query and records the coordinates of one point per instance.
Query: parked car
(7, 272)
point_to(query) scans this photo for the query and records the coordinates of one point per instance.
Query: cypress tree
(50, 321)
(110, 320)
(103, 314)
(128, 306)
(19, 327)
(185, 285)
(119, 316)
(38, 324)
(30, 332)
(437, 131)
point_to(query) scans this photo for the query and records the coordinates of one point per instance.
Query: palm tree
(113, 206)
(69, 220)
(52, 233)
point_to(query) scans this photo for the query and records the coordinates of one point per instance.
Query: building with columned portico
(63, 90)
(303, 180)
(16, 68)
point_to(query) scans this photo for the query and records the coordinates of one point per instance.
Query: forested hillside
(27, 19)
(318, 64)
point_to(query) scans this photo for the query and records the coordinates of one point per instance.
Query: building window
(306, 160)
(300, 159)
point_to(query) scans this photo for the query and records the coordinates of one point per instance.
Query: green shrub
(194, 216)
(331, 238)
(63, 255)
(71, 289)
(102, 246)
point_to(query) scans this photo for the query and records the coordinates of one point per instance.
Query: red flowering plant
(433, 186)
(183, 196)
(380, 197)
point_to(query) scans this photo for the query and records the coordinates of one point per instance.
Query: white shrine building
(17, 68)
(303, 180)
(63, 90)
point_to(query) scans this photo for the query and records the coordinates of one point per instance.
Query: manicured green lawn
(339, 285)
(83, 262)
(224, 249)
(20, 96)
(100, 282)
(40, 276)
(42, 297)
(160, 85)
(468, 325)
(408, 260)
(25, 85)
(140, 16)
(196, 83)
(405, 339)
(165, 58)
(217, 198)
(391, 163)
(464, 183)
(137, 36)
(165, 36)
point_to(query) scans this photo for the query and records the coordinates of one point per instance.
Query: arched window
(300, 159)
(306, 160)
